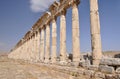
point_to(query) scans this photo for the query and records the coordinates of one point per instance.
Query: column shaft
(42, 44)
(54, 41)
(75, 33)
(63, 36)
(32, 47)
(95, 32)
(29, 48)
(38, 46)
(47, 54)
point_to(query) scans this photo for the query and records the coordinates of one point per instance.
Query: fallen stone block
(110, 61)
(106, 69)
(93, 67)
(84, 63)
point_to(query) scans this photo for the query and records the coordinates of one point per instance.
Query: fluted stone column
(21, 55)
(54, 41)
(26, 55)
(30, 48)
(47, 54)
(38, 45)
(75, 33)
(42, 44)
(35, 47)
(63, 36)
(95, 32)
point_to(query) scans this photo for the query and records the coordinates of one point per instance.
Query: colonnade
(35, 45)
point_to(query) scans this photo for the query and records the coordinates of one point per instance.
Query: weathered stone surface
(14, 69)
(106, 69)
(118, 70)
(42, 44)
(93, 67)
(109, 76)
(89, 73)
(95, 32)
(81, 71)
(110, 61)
(99, 75)
(84, 63)
(54, 41)
(117, 76)
(63, 54)
(75, 33)
(63, 63)
(112, 76)
(47, 52)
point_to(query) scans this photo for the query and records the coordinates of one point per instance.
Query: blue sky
(18, 16)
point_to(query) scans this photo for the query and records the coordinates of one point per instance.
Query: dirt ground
(11, 69)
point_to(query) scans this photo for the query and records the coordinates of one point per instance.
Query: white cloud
(40, 5)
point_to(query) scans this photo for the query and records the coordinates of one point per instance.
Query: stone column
(26, 50)
(95, 32)
(38, 45)
(54, 41)
(29, 48)
(35, 47)
(22, 56)
(42, 44)
(63, 36)
(75, 33)
(47, 54)
(32, 47)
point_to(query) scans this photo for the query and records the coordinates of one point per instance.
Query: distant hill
(115, 54)
(4, 53)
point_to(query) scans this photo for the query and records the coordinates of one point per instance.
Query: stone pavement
(12, 69)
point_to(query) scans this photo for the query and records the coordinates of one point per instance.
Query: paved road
(11, 69)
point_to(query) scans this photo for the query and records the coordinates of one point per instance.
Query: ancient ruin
(33, 46)
(33, 41)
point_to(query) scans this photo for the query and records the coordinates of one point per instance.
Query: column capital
(75, 3)
(54, 18)
(63, 12)
(47, 24)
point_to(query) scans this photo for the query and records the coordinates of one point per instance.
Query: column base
(41, 60)
(76, 63)
(76, 59)
(63, 63)
(96, 61)
(47, 61)
(53, 60)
